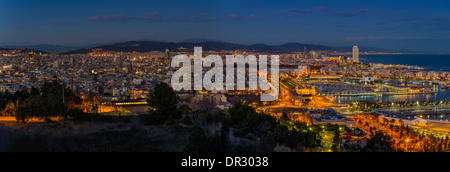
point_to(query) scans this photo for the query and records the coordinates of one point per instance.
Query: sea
(430, 62)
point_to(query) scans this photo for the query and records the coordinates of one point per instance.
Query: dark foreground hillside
(93, 137)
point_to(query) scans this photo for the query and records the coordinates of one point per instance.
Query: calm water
(429, 62)
(441, 95)
(432, 62)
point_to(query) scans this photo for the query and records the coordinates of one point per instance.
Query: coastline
(387, 53)
(422, 62)
(381, 94)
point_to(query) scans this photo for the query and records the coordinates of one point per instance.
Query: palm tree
(9, 109)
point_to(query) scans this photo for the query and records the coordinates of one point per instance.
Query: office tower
(167, 54)
(129, 68)
(72, 84)
(304, 52)
(355, 54)
(56, 64)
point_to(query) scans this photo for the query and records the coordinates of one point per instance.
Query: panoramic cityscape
(113, 76)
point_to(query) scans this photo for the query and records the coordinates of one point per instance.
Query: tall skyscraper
(72, 87)
(167, 54)
(304, 52)
(72, 61)
(56, 64)
(130, 68)
(355, 54)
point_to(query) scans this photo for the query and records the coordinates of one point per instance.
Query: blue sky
(396, 24)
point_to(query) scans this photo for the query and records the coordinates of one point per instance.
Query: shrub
(80, 116)
(187, 120)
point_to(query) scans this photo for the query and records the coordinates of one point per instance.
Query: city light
(157, 76)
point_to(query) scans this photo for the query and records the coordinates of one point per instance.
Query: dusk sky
(395, 24)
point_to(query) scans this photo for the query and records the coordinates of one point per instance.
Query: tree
(380, 143)
(197, 141)
(34, 91)
(9, 109)
(185, 109)
(239, 112)
(40, 107)
(163, 101)
(336, 139)
(246, 121)
(27, 109)
(45, 103)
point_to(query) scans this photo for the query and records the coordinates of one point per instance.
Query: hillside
(23, 49)
(147, 46)
(44, 47)
(86, 137)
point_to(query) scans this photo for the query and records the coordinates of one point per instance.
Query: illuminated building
(330, 116)
(72, 61)
(56, 64)
(167, 54)
(368, 79)
(355, 54)
(37, 62)
(306, 91)
(325, 76)
(30, 56)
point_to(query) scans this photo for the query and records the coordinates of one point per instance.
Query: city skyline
(242, 76)
(416, 25)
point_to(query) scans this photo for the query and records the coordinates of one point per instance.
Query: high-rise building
(56, 64)
(304, 52)
(129, 68)
(72, 87)
(167, 54)
(355, 54)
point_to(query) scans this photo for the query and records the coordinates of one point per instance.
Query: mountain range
(44, 47)
(208, 45)
(146, 46)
